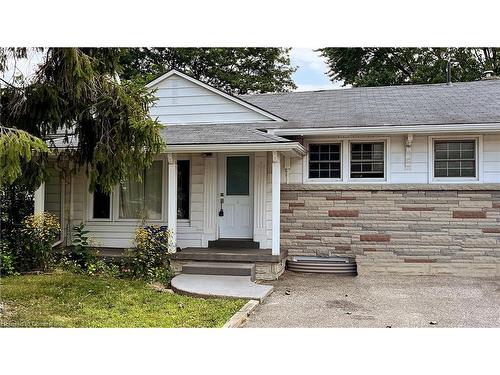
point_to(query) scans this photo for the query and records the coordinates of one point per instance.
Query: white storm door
(236, 197)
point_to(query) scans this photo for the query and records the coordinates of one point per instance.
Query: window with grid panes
(455, 158)
(324, 161)
(367, 160)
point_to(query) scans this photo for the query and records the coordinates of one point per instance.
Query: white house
(402, 179)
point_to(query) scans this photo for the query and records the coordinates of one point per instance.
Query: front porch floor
(228, 255)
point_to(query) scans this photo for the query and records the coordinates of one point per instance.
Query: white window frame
(90, 207)
(115, 204)
(479, 159)
(345, 160)
(324, 180)
(162, 219)
(386, 141)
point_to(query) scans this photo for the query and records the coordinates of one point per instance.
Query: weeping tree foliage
(103, 124)
(236, 70)
(378, 66)
(17, 148)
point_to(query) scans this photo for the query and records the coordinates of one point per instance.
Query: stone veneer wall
(409, 229)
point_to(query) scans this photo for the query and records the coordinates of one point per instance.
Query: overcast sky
(310, 74)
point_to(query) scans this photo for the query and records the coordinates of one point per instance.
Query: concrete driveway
(320, 300)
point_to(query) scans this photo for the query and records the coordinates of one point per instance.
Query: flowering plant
(150, 259)
(39, 231)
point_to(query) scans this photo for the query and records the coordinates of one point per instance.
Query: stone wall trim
(391, 187)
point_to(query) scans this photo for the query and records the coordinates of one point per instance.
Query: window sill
(452, 180)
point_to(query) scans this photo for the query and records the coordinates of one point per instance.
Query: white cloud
(308, 59)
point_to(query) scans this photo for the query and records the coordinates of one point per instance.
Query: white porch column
(39, 198)
(172, 198)
(259, 196)
(209, 200)
(276, 174)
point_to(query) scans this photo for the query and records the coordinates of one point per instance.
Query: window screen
(367, 160)
(324, 160)
(455, 158)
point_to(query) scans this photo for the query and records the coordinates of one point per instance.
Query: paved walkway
(313, 300)
(220, 286)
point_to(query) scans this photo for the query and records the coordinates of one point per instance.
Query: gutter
(391, 129)
(293, 147)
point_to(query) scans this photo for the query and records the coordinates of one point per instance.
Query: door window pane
(142, 200)
(238, 175)
(183, 189)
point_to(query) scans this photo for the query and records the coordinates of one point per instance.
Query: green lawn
(67, 300)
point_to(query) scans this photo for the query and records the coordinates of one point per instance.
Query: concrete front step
(220, 286)
(220, 268)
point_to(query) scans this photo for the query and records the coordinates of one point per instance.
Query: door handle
(221, 211)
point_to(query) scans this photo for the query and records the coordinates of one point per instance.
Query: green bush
(16, 203)
(83, 250)
(82, 257)
(7, 259)
(150, 260)
(39, 232)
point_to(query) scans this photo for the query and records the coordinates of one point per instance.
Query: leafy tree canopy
(76, 93)
(396, 66)
(235, 70)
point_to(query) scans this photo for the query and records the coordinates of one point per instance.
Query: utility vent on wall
(334, 265)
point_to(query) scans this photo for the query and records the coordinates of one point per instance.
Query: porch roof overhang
(288, 148)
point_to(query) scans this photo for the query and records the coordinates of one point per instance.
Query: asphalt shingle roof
(460, 103)
(222, 133)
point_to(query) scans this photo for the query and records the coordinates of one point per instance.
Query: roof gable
(185, 100)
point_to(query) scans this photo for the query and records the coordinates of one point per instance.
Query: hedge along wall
(409, 229)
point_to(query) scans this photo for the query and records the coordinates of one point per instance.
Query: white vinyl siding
(181, 101)
(419, 167)
(491, 158)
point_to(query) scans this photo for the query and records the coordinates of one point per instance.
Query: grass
(64, 299)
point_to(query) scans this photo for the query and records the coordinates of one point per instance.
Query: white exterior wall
(420, 166)
(54, 195)
(120, 233)
(491, 158)
(181, 101)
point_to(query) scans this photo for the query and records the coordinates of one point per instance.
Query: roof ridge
(410, 85)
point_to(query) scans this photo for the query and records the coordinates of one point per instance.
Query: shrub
(7, 259)
(83, 250)
(39, 232)
(16, 203)
(150, 260)
(83, 256)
